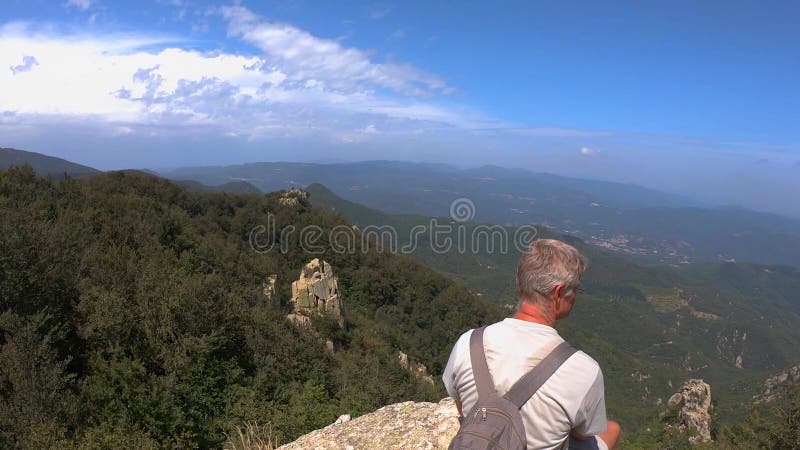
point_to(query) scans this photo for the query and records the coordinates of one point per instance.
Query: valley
(643, 225)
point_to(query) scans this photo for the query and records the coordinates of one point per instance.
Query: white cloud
(342, 68)
(85, 76)
(144, 84)
(27, 64)
(586, 151)
(80, 4)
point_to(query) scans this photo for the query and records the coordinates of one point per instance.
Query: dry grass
(252, 437)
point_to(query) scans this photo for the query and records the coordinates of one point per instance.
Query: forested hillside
(43, 164)
(132, 316)
(132, 312)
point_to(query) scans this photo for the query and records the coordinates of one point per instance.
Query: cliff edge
(399, 426)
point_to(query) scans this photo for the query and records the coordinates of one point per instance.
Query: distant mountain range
(231, 187)
(42, 164)
(58, 168)
(645, 225)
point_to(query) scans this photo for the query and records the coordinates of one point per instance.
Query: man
(569, 410)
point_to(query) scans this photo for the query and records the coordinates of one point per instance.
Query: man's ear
(558, 291)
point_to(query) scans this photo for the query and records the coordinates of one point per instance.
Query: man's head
(549, 275)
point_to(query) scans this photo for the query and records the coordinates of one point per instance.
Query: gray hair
(546, 264)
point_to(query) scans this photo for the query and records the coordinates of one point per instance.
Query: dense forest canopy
(131, 313)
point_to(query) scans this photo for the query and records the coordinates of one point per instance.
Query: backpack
(495, 423)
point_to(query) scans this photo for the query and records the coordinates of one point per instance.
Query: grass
(252, 437)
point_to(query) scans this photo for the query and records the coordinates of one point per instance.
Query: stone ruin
(317, 290)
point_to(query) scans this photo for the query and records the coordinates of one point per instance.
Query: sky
(695, 98)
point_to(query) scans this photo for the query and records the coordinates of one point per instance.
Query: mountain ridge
(43, 164)
(642, 224)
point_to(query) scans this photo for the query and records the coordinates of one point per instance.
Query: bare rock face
(293, 197)
(695, 403)
(417, 369)
(316, 290)
(406, 425)
(777, 384)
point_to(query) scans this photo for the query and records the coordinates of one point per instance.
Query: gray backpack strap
(480, 369)
(526, 386)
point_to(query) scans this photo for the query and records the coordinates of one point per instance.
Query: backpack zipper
(500, 412)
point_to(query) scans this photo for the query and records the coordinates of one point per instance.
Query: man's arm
(592, 417)
(610, 436)
(448, 377)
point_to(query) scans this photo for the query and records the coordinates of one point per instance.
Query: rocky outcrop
(418, 369)
(269, 287)
(774, 386)
(293, 197)
(694, 401)
(406, 425)
(317, 290)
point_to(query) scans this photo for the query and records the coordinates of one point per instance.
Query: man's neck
(530, 313)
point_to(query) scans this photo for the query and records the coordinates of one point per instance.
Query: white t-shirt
(573, 398)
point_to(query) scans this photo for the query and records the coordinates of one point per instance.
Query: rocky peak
(317, 290)
(293, 197)
(694, 400)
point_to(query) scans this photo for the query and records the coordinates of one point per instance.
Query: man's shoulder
(583, 369)
(583, 359)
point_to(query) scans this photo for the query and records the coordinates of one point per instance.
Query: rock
(299, 319)
(342, 419)
(317, 290)
(293, 197)
(269, 289)
(774, 386)
(694, 400)
(417, 369)
(406, 425)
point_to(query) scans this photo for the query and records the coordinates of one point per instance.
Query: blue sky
(700, 98)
